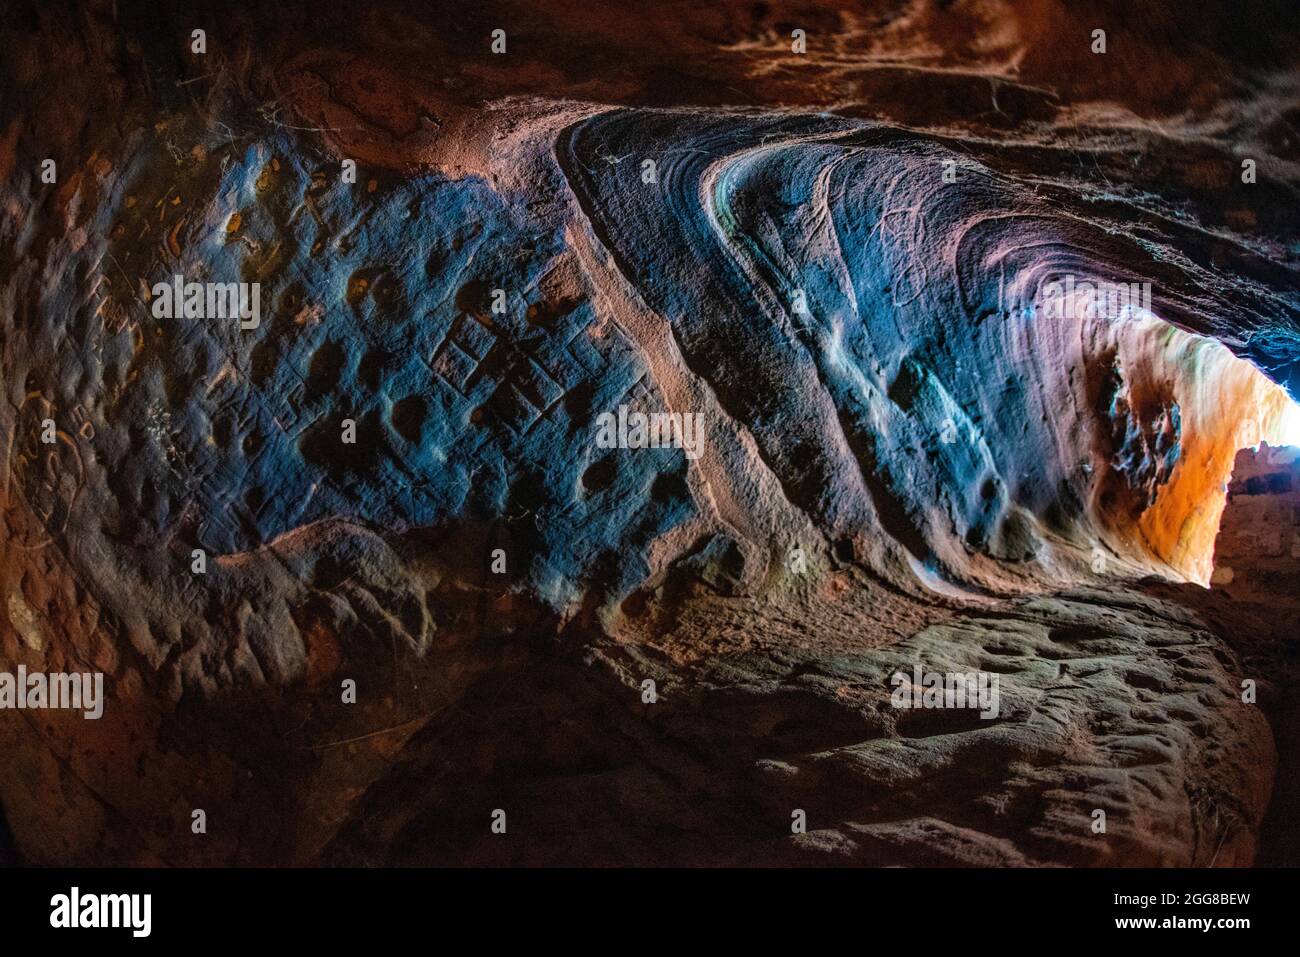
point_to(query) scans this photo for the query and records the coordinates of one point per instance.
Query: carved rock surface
(909, 457)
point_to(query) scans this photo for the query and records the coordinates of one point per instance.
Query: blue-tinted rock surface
(906, 459)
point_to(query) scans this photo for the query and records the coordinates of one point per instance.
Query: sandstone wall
(1257, 552)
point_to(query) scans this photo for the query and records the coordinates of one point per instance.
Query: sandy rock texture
(910, 456)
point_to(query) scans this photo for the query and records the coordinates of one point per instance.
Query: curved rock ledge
(914, 454)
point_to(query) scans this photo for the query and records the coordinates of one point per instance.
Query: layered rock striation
(921, 444)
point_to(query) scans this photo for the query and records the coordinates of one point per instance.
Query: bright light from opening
(1289, 428)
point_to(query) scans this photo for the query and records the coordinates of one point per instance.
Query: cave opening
(1257, 549)
(1214, 404)
(1248, 440)
(1289, 427)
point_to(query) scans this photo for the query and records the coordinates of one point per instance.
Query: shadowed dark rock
(915, 455)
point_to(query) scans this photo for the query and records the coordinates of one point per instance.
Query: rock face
(1257, 553)
(1256, 583)
(360, 570)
